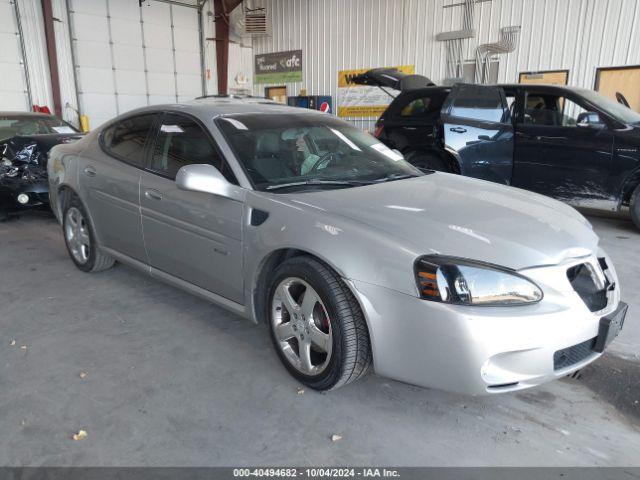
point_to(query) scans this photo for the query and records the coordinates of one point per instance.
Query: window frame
(394, 111)
(450, 104)
(156, 133)
(415, 99)
(561, 93)
(145, 148)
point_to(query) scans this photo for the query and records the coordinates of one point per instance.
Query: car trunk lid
(392, 78)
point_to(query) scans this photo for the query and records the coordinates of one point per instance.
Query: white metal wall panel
(128, 56)
(578, 35)
(93, 60)
(187, 53)
(240, 64)
(158, 38)
(36, 56)
(14, 93)
(66, 73)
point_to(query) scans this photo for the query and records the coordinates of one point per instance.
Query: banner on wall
(363, 100)
(278, 67)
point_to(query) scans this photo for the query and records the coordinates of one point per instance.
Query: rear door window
(126, 139)
(483, 104)
(418, 107)
(181, 141)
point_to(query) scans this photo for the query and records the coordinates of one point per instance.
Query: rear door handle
(458, 130)
(153, 194)
(89, 172)
(410, 128)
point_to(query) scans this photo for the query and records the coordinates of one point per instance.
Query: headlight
(466, 282)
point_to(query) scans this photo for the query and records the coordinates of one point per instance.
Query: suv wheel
(634, 206)
(80, 239)
(316, 325)
(426, 161)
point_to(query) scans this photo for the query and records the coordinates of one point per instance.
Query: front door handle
(410, 128)
(458, 130)
(89, 172)
(153, 194)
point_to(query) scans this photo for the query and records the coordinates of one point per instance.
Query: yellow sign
(363, 100)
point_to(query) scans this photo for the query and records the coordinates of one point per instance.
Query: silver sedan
(353, 257)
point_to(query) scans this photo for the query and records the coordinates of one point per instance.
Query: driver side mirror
(589, 120)
(206, 179)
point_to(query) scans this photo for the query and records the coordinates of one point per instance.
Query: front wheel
(634, 206)
(317, 326)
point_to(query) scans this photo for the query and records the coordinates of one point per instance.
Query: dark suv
(570, 143)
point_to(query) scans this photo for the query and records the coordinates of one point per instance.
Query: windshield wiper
(395, 176)
(312, 182)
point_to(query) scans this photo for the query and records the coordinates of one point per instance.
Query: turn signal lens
(467, 282)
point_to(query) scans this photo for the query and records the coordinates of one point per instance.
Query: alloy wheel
(76, 233)
(301, 326)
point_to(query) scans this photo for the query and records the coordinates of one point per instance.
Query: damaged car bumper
(23, 171)
(17, 195)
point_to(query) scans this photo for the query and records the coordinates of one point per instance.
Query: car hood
(452, 215)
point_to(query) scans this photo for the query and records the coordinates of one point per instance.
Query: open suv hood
(392, 78)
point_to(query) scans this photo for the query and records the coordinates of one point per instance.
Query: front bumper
(37, 191)
(481, 350)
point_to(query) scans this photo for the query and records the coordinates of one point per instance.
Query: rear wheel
(316, 325)
(80, 239)
(427, 161)
(634, 206)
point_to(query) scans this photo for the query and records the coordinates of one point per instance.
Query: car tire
(634, 207)
(426, 161)
(80, 239)
(345, 355)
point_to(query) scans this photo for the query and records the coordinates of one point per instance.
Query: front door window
(551, 110)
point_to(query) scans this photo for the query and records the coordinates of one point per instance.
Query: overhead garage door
(128, 56)
(13, 85)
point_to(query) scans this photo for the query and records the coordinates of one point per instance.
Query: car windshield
(12, 125)
(307, 151)
(616, 110)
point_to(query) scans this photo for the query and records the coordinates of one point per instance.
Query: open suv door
(478, 131)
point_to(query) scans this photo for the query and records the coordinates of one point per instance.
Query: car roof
(207, 108)
(24, 114)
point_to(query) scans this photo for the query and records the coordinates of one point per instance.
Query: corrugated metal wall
(578, 35)
(35, 51)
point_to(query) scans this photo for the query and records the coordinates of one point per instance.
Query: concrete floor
(173, 380)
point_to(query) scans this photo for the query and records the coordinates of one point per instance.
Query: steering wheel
(322, 162)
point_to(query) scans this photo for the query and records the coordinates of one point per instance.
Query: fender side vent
(258, 217)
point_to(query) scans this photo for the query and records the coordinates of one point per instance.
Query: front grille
(592, 291)
(570, 356)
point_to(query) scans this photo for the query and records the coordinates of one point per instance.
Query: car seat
(270, 161)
